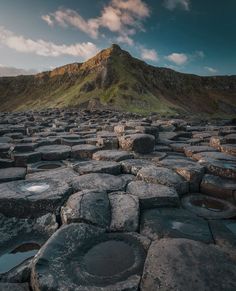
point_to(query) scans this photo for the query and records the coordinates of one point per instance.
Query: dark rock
(88, 167)
(112, 155)
(54, 152)
(12, 174)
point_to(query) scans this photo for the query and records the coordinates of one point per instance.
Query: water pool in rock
(35, 187)
(109, 258)
(209, 204)
(17, 256)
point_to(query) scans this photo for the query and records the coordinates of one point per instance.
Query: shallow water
(209, 204)
(231, 227)
(109, 258)
(35, 187)
(17, 256)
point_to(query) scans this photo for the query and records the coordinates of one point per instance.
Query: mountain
(12, 72)
(115, 79)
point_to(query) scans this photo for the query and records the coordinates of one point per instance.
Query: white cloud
(177, 58)
(149, 54)
(123, 17)
(43, 48)
(211, 70)
(173, 4)
(48, 19)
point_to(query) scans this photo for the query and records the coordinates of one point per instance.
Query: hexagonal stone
(229, 149)
(132, 166)
(11, 174)
(189, 170)
(191, 150)
(224, 234)
(87, 206)
(112, 155)
(213, 155)
(14, 287)
(139, 143)
(20, 241)
(88, 167)
(83, 151)
(174, 223)
(153, 195)
(99, 182)
(54, 152)
(218, 187)
(163, 176)
(78, 255)
(22, 159)
(208, 207)
(32, 198)
(124, 212)
(25, 147)
(60, 174)
(6, 163)
(225, 169)
(168, 262)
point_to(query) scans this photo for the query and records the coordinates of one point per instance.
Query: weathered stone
(6, 163)
(218, 187)
(164, 176)
(12, 174)
(87, 206)
(208, 207)
(191, 150)
(153, 195)
(54, 152)
(229, 149)
(99, 182)
(214, 155)
(88, 167)
(108, 143)
(132, 166)
(124, 212)
(139, 143)
(83, 151)
(22, 159)
(14, 287)
(174, 223)
(84, 258)
(112, 155)
(32, 198)
(170, 262)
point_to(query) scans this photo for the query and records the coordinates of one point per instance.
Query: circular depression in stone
(208, 207)
(209, 204)
(35, 187)
(109, 258)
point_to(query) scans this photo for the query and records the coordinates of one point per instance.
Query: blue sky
(192, 36)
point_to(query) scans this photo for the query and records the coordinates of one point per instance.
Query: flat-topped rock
(83, 151)
(191, 150)
(170, 262)
(12, 174)
(54, 152)
(32, 198)
(229, 149)
(87, 167)
(99, 182)
(22, 159)
(112, 155)
(78, 255)
(124, 212)
(153, 195)
(214, 155)
(219, 187)
(163, 176)
(87, 206)
(44, 166)
(174, 223)
(132, 166)
(14, 287)
(139, 143)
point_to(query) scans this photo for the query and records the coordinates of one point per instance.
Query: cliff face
(115, 78)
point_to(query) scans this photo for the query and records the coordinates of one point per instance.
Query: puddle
(35, 187)
(109, 258)
(17, 256)
(209, 204)
(49, 166)
(231, 227)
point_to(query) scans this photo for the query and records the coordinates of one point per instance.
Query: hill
(115, 79)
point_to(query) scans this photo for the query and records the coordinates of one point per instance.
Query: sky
(191, 36)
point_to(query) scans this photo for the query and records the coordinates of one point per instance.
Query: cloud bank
(44, 48)
(173, 4)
